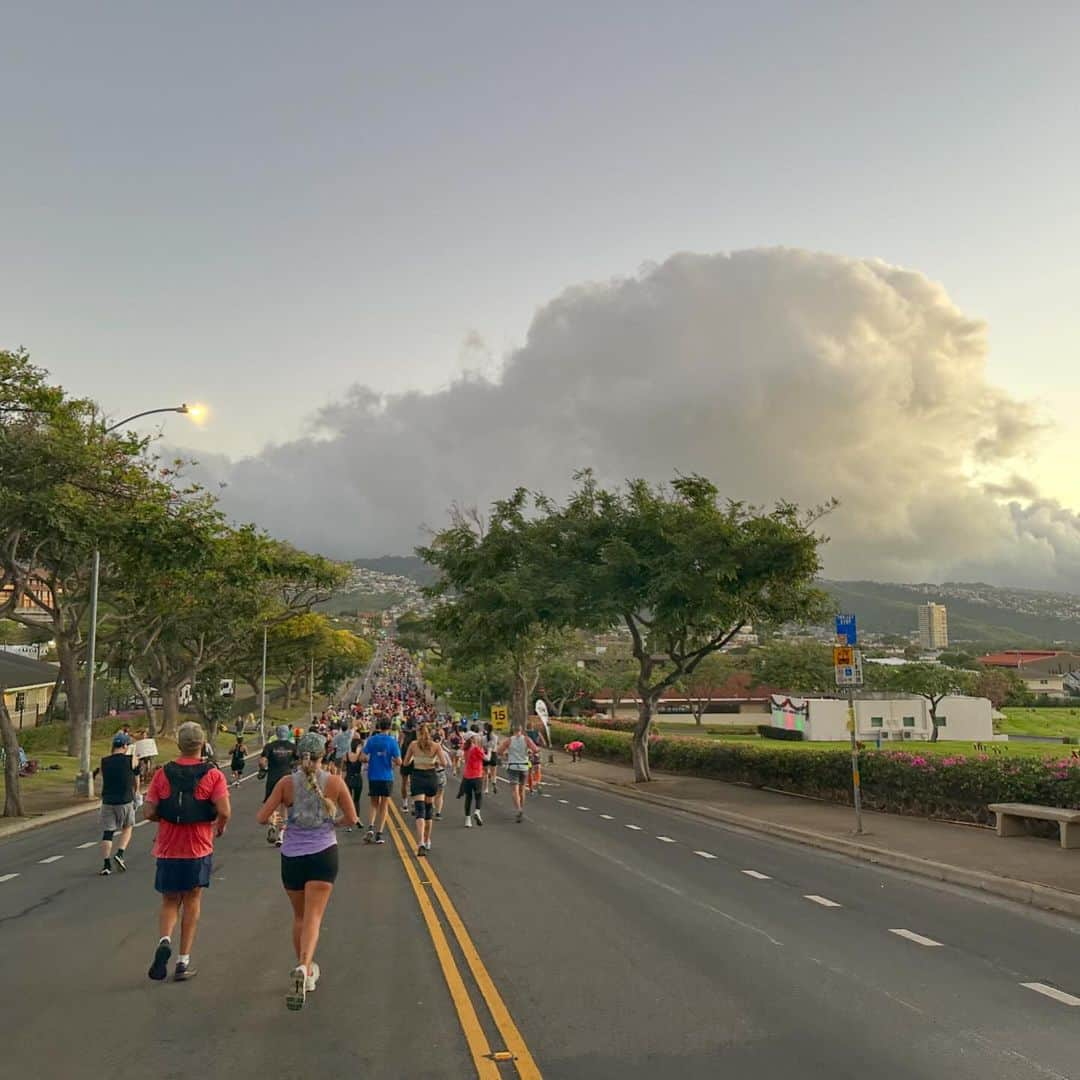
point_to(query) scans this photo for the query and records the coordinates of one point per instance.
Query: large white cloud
(778, 373)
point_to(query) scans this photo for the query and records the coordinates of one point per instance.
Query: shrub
(959, 787)
(767, 731)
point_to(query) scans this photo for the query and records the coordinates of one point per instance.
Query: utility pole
(311, 692)
(84, 781)
(262, 694)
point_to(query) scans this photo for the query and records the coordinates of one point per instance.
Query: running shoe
(479, 819)
(520, 815)
(468, 823)
(183, 972)
(119, 860)
(369, 836)
(271, 835)
(158, 969)
(420, 851)
(297, 994)
(438, 815)
(311, 982)
(379, 838)
(104, 872)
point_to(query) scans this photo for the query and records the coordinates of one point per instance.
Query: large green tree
(798, 666)
(683, 571)
(933, 683)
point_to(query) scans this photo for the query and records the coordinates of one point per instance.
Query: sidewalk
(1026, 869)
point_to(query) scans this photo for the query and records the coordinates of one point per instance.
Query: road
(608, 938)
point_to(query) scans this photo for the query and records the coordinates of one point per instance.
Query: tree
(1001, 687)
(683, 572)
(618, 674)
(933, 682)
(706, 682)
(562, 681)
(802, 667)
(412, 632)
(13, 804)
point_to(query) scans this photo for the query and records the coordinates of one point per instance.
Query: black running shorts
(298, 870)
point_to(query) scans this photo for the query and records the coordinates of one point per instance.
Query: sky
(338, 223)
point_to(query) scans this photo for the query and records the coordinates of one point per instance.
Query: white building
(964, 719)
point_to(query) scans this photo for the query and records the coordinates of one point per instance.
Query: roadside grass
(1040, 721)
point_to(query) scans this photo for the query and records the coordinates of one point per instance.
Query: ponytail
(309, 766)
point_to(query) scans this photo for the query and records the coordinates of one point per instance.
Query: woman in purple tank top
(309, 862)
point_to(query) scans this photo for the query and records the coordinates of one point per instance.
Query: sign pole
(848, 663)
(854, 760)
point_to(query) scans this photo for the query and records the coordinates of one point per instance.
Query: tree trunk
(640, 745)
(50, 709)
(170, 708)
(519, 701)
(13, 806)
(933, 722)
(148, 702)
(288, 692)
(76, 694)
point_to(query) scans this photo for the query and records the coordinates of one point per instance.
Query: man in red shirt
(189, 799)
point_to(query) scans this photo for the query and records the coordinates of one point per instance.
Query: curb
(1043, 897)
(50, 817)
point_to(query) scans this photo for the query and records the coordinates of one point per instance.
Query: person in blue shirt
(380, 753)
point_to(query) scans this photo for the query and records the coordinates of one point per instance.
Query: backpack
(181, 807)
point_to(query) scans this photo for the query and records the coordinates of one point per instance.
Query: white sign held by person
(542, 712)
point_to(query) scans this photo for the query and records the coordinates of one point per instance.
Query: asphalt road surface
(601, 938)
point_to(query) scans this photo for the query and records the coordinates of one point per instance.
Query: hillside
(977, 612)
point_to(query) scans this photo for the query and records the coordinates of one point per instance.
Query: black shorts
(298, 870)
(380, 788)
(270, 785)
(238, 767)
(424, 782)
(406, 770)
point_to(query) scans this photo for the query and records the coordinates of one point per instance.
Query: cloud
(778, 373)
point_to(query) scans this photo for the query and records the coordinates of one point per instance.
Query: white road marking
(757, 874)
(51, 858)
(930, 943)
(705, 854)
(636, 828)
(545, 795)
(666, 839)
(89, 843)
(140, 824)
(585, 808)
(565, 802)
(824, 901)
(7, 877)
(607, 817)
(1041, 988)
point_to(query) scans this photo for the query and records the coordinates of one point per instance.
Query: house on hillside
(1044, 671)
(27, 684)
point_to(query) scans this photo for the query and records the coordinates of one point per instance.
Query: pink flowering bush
(955, 786)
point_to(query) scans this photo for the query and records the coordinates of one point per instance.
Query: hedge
(958, 788)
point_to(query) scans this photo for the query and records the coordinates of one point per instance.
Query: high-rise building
(933, 626)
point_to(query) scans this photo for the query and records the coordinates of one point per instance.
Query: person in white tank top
(516, 749)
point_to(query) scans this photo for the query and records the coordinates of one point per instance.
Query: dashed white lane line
(89, 843)
(665, 839)
(7, 877)
(636, 828)
(1050, 992)
(705, 854)
(824, 901)
(51, 858)
(930, 943)
(565, 802)
(607, 817)
(544, 795)
(585, 808)
(757, 874)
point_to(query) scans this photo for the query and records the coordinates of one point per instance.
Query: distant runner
(517, 749)
(380, 752)
(119, 786)
(276, 761)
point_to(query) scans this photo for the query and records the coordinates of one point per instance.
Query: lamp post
(84, 780)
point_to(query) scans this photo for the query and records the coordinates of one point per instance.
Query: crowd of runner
(315, 779)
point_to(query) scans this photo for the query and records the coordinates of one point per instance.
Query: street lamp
(84, 780)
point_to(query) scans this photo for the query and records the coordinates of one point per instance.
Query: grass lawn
(1041, 721)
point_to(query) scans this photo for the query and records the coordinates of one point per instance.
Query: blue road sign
(845, 628)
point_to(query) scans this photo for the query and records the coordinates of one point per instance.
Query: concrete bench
(1009, 817)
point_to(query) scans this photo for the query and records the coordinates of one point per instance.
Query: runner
(342, 742)
(408, 735)
(275, 762)
(423, 756)
(238, 760)
(490, 744)
(354, 772)
(441, 769)
(189, 799)
(309, 855)
(517, 749)
(472, 781)
(119, 786)
(380, 752)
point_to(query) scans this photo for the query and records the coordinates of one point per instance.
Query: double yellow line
(484, 1058)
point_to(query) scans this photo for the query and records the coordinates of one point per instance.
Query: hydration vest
(181, 807)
